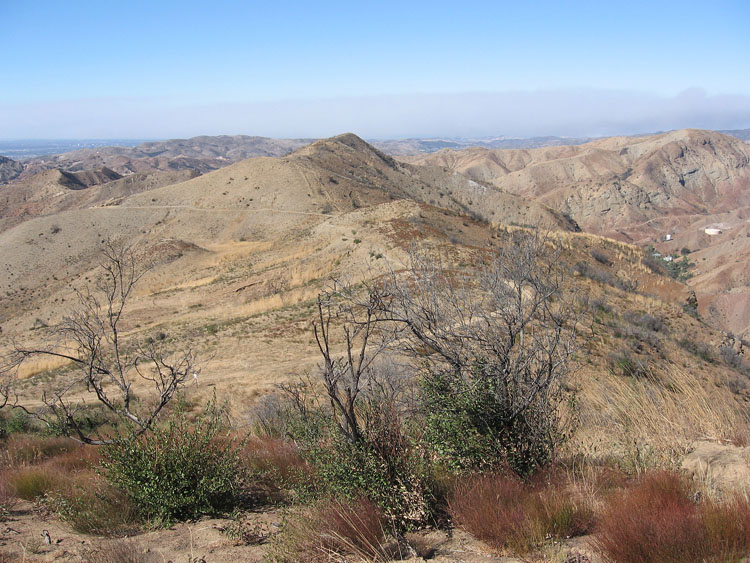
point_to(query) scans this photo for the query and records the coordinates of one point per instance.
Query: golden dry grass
(652, 421)
(38, 365)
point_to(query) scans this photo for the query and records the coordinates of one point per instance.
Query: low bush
(700, 349)
(180, 470)
(17, 422)
(385, 471)
(627, 365)
(600, 257)
(655, 264)
(510, 515)
(605, 277)
(644, 320)
(333, 530)
(733, 359)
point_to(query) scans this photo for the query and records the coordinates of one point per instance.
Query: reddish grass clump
(657, 520)
(24, 449)
(275, 464)
(508, 514)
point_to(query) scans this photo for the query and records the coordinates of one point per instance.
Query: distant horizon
(403, 70)
(366, 138)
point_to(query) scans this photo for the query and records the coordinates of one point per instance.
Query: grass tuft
(333, 530)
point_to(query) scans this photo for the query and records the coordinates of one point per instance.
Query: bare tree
(90, 337)
(495, 343)
(347, 371)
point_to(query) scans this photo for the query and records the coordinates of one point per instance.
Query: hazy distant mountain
(404, 147)
(743, 134)
(202, 154)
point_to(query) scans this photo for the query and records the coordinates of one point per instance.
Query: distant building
(712, 231)
(668, 237)
(668, 258)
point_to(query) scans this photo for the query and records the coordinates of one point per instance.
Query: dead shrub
(512, 516)
(334, 530)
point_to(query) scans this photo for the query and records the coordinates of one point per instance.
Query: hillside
(9, 169)
(236, 258)
(640, 190)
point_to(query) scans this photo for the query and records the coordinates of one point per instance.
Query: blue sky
(163, 68)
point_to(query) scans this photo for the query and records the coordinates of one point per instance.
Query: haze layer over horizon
(416, 69)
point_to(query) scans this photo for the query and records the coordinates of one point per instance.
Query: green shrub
(468, 424)
(18, 422)
(383, 466)
(180, 470)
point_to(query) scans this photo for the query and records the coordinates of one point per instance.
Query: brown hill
(640, 190)
(260, 200)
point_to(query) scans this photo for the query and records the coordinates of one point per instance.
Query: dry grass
(90, 506)
(31, 483)
(118, 551)
(8, 499)
(25, 449)
(35, 366)
(512, 516)
(333, 531)
(646, 423)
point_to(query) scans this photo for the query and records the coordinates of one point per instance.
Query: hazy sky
(381, 69)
